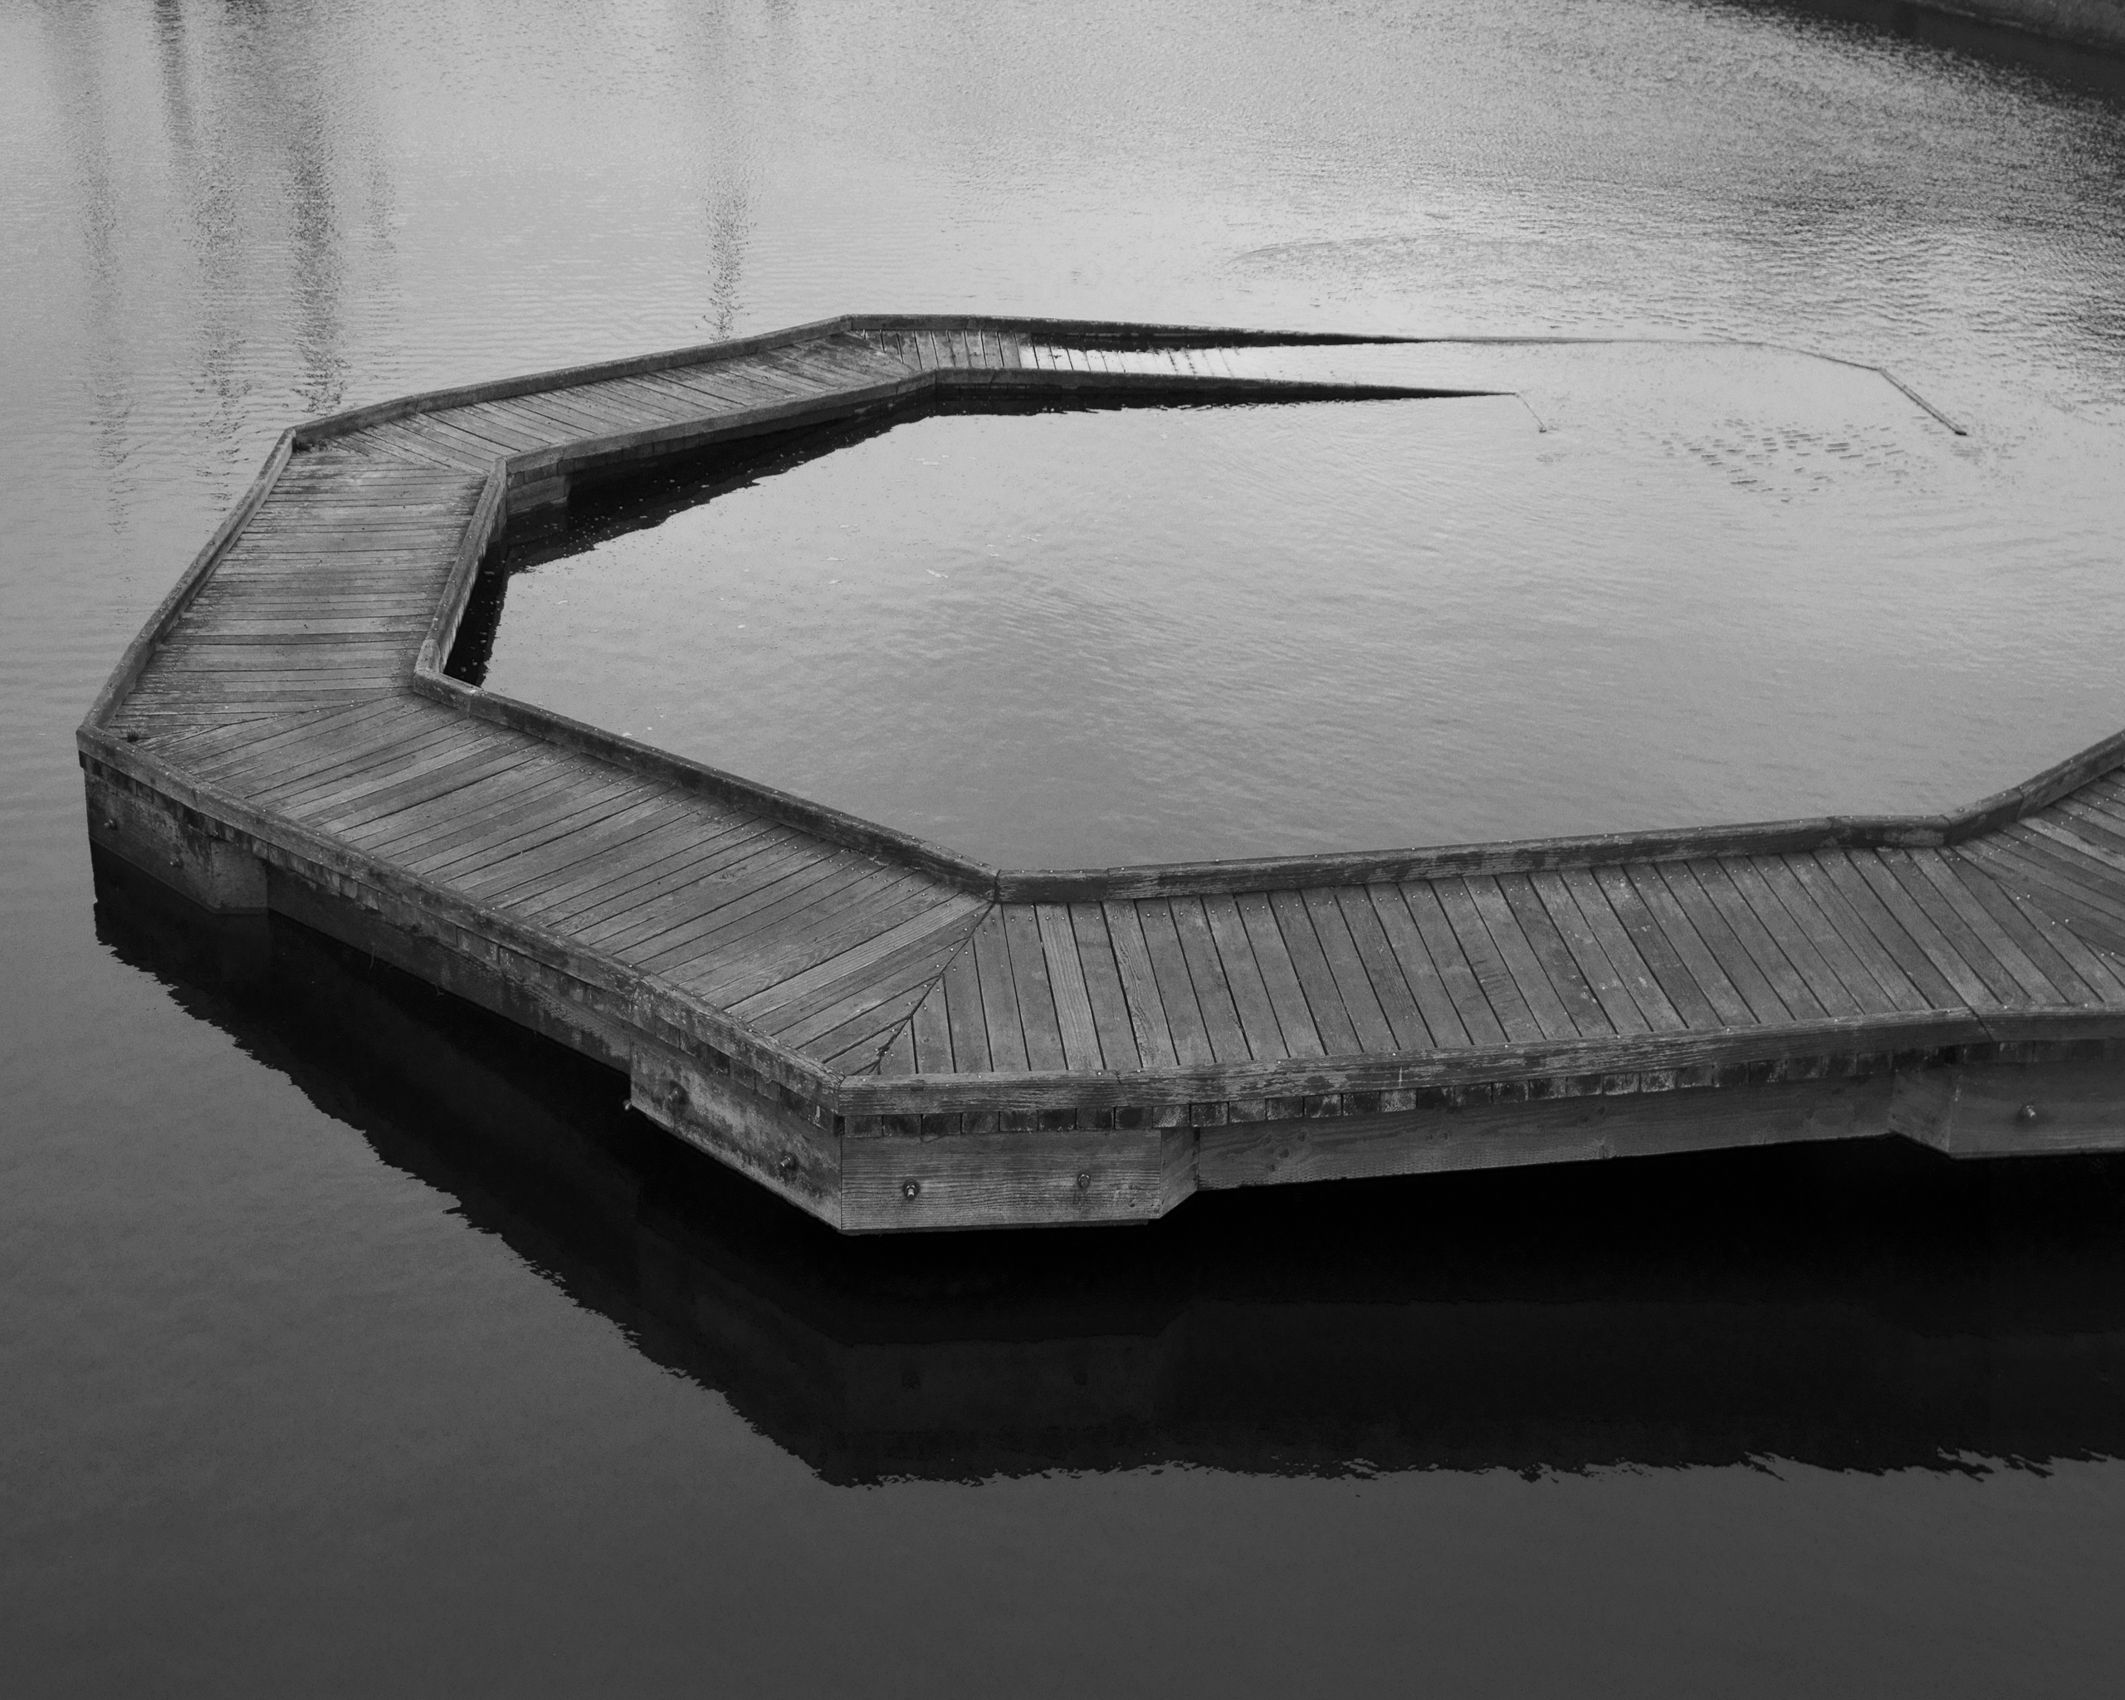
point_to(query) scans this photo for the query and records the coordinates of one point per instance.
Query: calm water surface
(351, 1344)
(1654, 584)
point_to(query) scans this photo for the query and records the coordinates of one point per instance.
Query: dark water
(1658, 584)
(348, 1344)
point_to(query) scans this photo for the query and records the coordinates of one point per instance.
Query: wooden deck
(893, 1036)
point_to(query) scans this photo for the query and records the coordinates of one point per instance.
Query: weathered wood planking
(894, 1036)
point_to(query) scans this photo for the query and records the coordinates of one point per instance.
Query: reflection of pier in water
(1857, 1306)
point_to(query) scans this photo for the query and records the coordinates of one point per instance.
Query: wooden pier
(892, 1036)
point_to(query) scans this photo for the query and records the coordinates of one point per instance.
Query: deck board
(1066, 984)
(1347, 968)
(1280, 977)
(998, 992)
(930, 1034)
(838, 984)
(1445, 1023)
(599, 907)
(1825, 929)
(2045, 937)
(1842, 930)
(1210, 981)
(1317, 983)
(1621, 946)
(1876, 920)
(1798, 929)
(641, 869)
(1966, 982)
(1587, 953)
(1147, 1006)
(395, 755)
(1037, 1014)
(527, 871)
(1553, 956)
(778, 952)
(1678, 938)
(1234, 954)
(1472, 940)
(480, 794)
(1702, 917)
(1192, 1043)
(2062, 834)
(2092, 823)
(1969, 945)
(1526, 970)
(312, 740)
(1458, 973)
(579, 803)
(733, 901)
(2058, 872)
(964, 1016)
(1758, 943)
(1930, 868)
(432, 835)
(857, 1028)
(1112, 1018)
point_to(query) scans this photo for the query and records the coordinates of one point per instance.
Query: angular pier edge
(894, 1037)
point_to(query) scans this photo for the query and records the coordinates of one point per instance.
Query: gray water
(1653, 584)
(348, 1344)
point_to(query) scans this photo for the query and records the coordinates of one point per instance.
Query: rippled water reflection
(1648, 584)
(320, 1377)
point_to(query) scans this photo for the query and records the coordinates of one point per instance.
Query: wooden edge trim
(1184, 879)
(690, 436)
(135, 659)
(647, 999)
(1756, 838)
(847, 831)
(1115, 332)
(2058, 780)
(473, 543)
(900, 1095)
(1100, 331)
(1158, 383)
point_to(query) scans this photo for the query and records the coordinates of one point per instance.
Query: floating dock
(895, 1037)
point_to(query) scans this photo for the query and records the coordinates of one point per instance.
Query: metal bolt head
(2026, 1114)
(787, 1167)
(1084, 1179)
(908, 1189)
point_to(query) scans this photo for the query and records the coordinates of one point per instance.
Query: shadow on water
(1859, 1307)
(598, 512)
